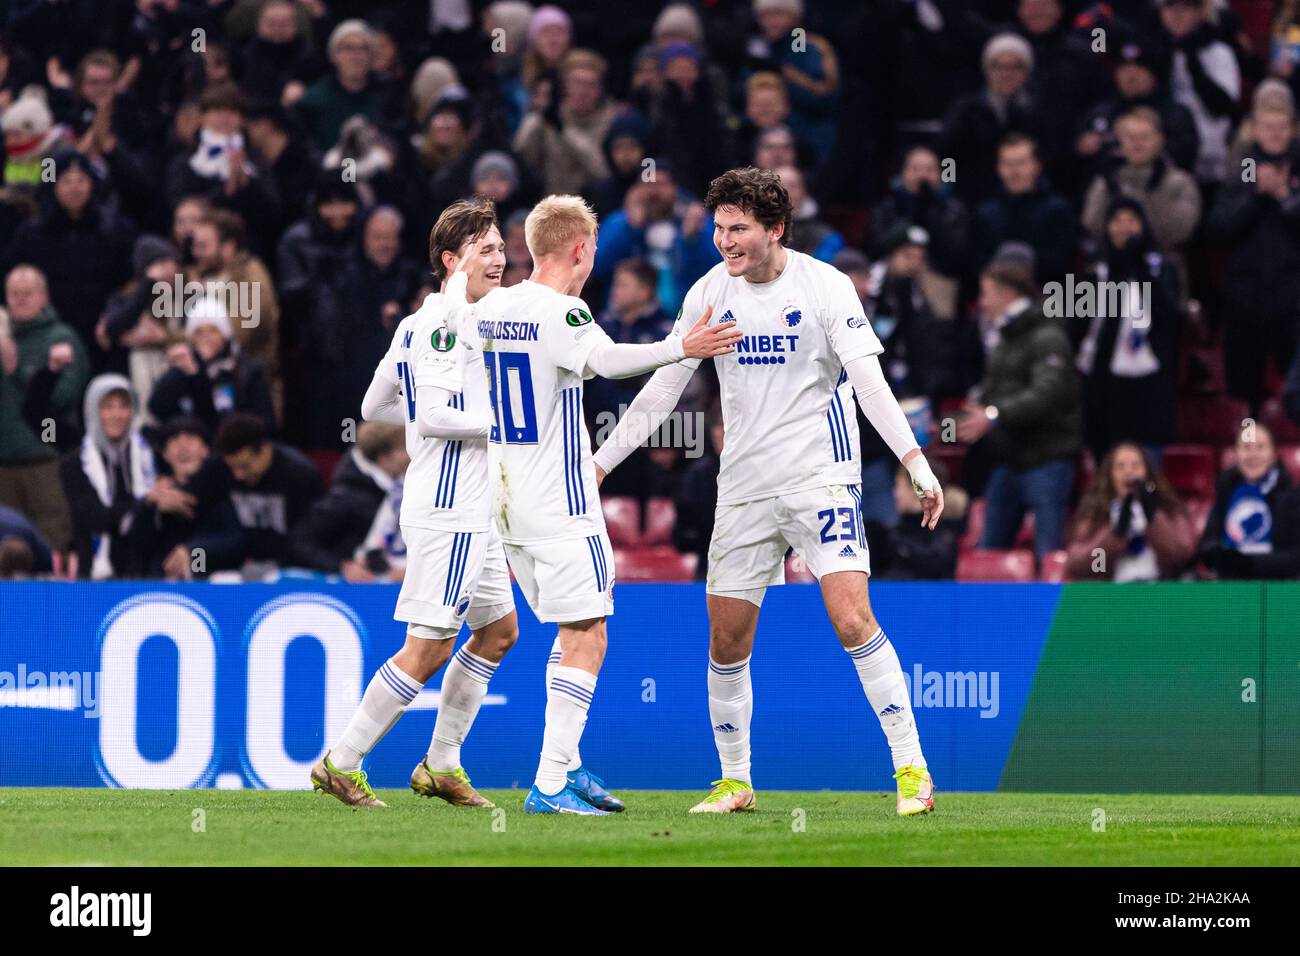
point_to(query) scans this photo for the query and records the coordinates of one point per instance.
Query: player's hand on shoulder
(706, 341)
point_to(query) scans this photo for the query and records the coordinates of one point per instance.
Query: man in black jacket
(1025, 209)
(353, 530)
(1259, 221)
(1137, 75)
(1028, 412)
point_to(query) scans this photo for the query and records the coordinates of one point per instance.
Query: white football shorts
(566, 581)
(750, 539)
(450, 575)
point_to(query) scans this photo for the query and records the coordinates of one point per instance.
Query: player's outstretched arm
(435, 418)
(646, 413)
(627, 360)
(382, 403)
(881, 409)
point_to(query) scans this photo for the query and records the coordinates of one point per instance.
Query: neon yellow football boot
(348, 786)
(450, 785)
(728, 796)
(915, 791)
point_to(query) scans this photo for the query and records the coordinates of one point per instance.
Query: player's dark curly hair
(459, 223)
(753, 190)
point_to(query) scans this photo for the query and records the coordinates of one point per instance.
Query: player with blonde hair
(539, 344)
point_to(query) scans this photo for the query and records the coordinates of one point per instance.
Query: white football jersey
(535, 342)
(446, 484)
(787, 405)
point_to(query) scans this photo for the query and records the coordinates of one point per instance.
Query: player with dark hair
(456, 569)
(791, 473)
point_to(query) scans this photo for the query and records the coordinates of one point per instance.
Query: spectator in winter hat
(80, 244)
(132, 323)
(976, 122)
(31, 136)
(209, 377)
(626, 148)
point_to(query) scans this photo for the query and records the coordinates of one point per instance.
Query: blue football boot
(592, 789)
(567, 800)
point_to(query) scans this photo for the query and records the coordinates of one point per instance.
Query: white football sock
(731, 705)
(464, 685)
(551, 663)
(882, 679)
(385, 700)
(568, 695)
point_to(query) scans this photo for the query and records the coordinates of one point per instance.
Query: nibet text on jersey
(765, 349)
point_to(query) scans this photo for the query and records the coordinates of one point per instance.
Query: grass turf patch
(247, 828)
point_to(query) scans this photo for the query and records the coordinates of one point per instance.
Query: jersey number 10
(510, 390)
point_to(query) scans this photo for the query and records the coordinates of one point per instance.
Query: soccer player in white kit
(791, 472)
(455, 570)
(539, 344)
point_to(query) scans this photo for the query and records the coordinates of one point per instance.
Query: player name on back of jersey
(502, 331)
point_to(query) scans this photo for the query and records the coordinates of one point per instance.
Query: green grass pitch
(243, 828)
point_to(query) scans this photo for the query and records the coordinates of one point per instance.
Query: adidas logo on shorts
(848, 552)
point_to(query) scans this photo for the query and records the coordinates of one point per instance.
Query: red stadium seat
(325, 460)
(974, 526)
(952, 456)
(796, 571)
(1015, 565)
(660, 516)
(1190, 469)
(659, 563)
(1085, 469)
(1290, 456)
(1198, 509)
(970, 539)
(623, 520)
(1025, 536)
(850, 222)
(1275, 418)
(1053, 569)
(1214, 420)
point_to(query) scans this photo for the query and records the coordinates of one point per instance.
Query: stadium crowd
(215, 212)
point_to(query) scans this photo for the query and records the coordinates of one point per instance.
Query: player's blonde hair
(555, 222)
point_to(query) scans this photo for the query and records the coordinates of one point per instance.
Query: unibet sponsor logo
(442, 340)
(577, 317)
(765, 349)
